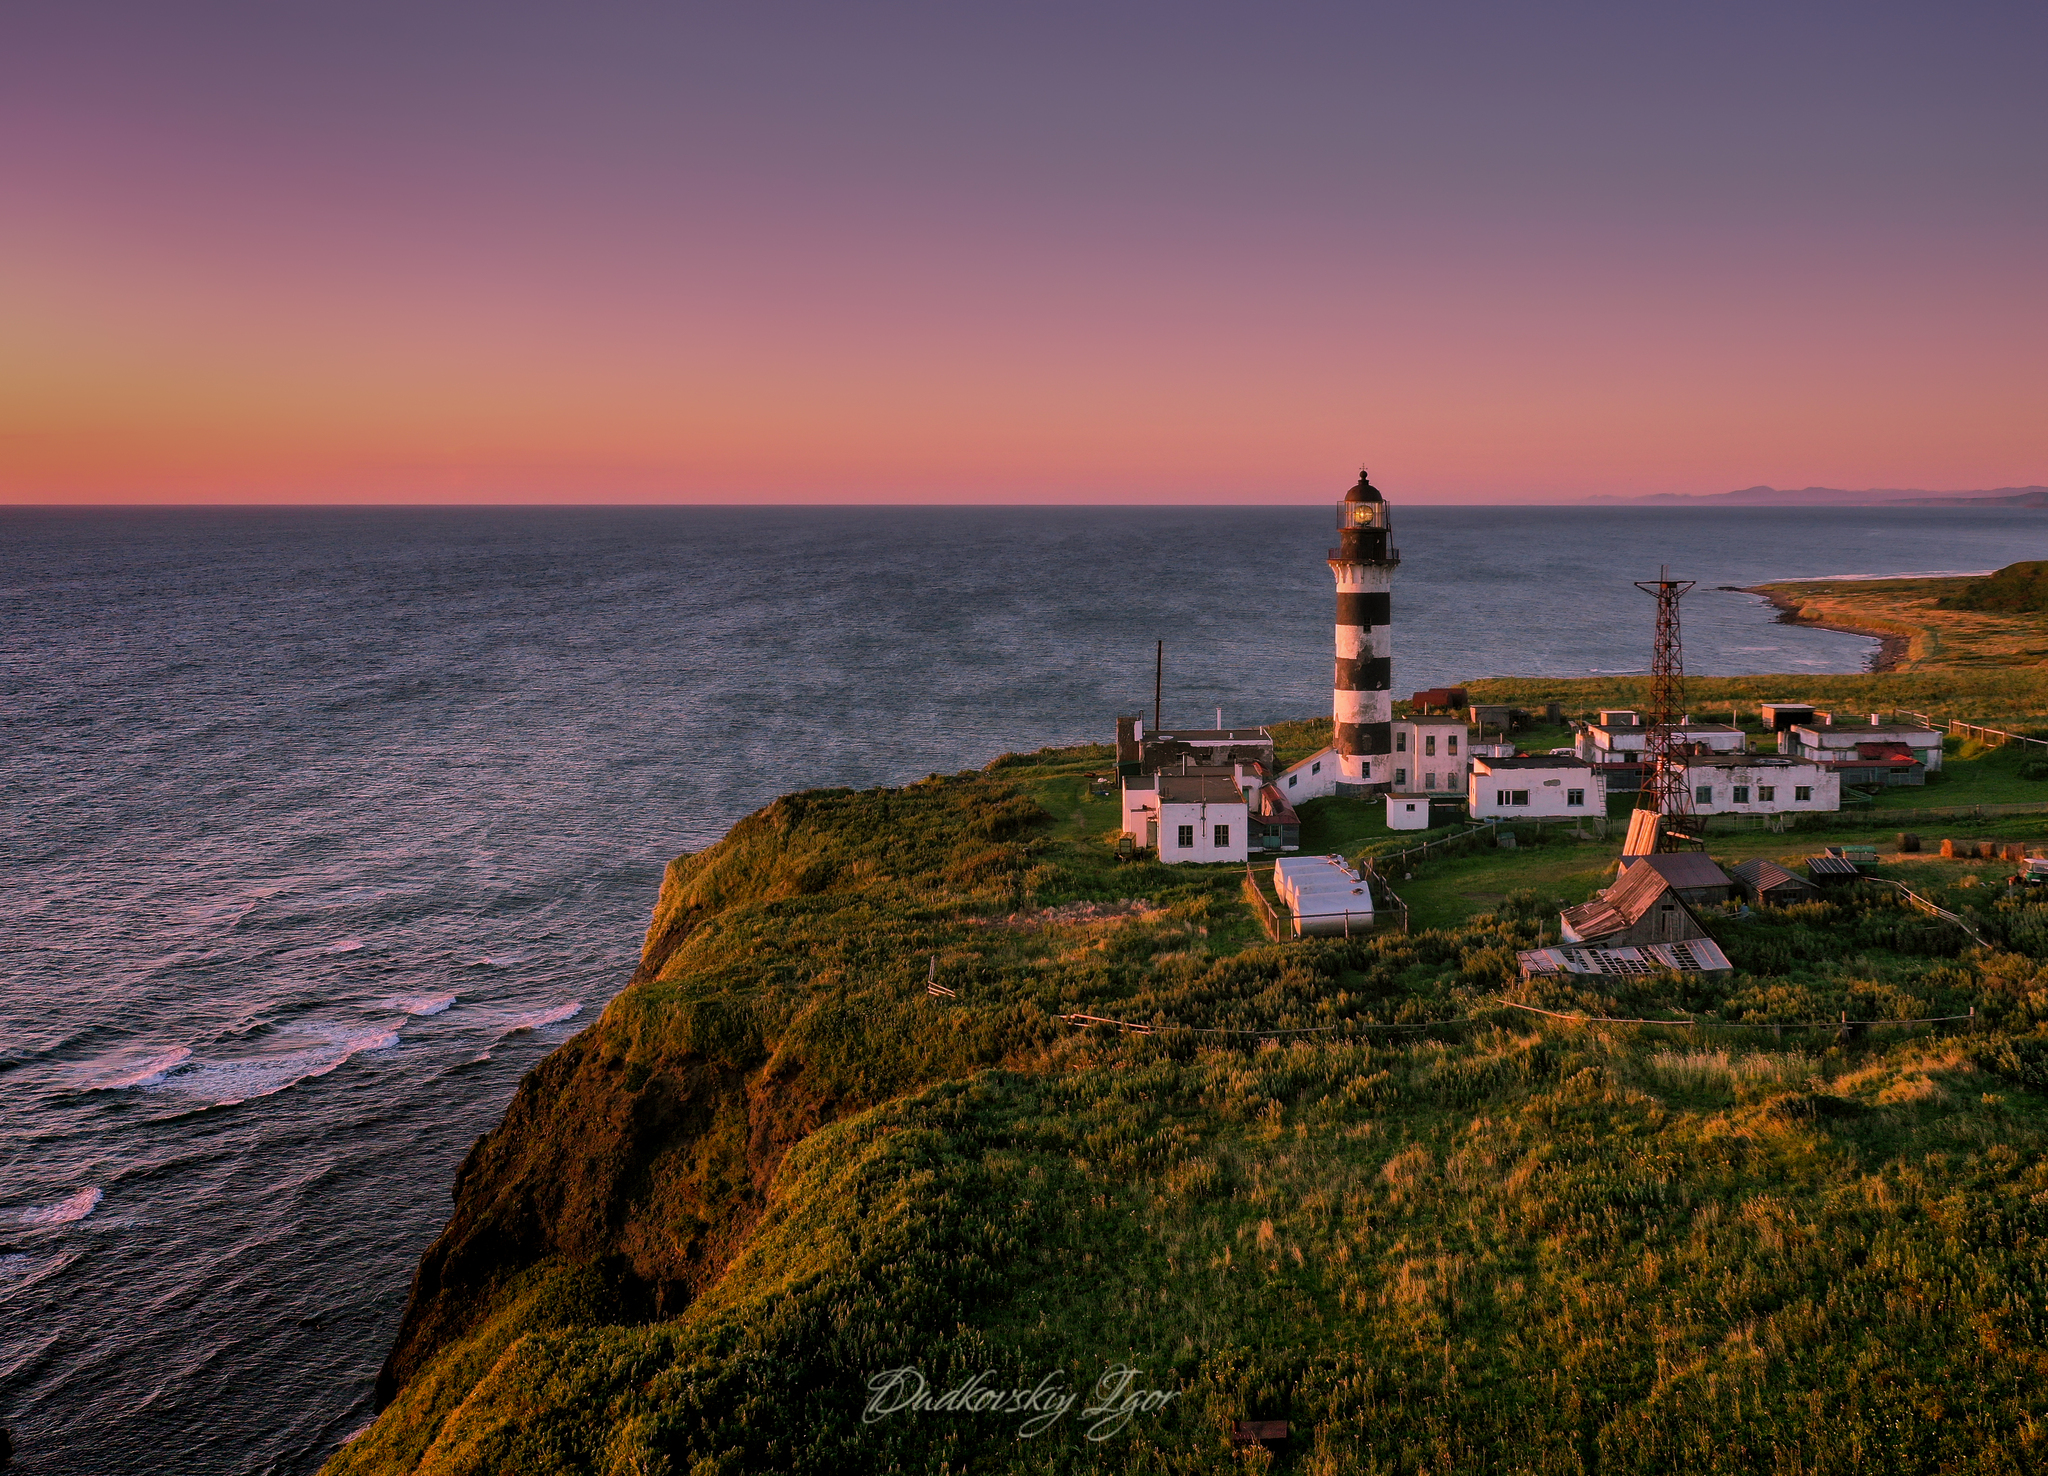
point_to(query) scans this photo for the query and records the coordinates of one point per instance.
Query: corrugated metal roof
(1198, 789)
(1830, 866)
(1694, 956)
(1761, 875)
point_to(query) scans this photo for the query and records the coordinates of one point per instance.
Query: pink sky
(1178, 255)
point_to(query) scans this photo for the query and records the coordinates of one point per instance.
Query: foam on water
(538, 1018)
(64, 1212)
(147, 1072)
(419, 1004)
(230, 1081)
(346, 945)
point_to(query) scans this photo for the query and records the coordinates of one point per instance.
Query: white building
(1759, 784)
(1187, 817)
(1430, 754)
(1829, 741)
(1315, 777)
(1540, 786)
(1408, 812)
(1622, 737)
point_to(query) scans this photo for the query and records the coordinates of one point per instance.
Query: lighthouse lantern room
(1362, 701)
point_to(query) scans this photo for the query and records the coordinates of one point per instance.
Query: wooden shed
(1642, 907)
(1768, 884)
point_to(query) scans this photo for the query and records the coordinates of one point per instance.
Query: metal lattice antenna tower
(1664, 788)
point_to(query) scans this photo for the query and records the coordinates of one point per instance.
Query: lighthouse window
(1429, 744)
(1187, 837)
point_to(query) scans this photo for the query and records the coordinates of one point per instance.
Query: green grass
(775, 1168)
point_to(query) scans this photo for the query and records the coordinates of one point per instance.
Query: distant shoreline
(1892, 648)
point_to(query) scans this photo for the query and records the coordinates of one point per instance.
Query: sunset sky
(1096, 252)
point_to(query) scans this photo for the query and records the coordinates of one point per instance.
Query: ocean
(324, 825)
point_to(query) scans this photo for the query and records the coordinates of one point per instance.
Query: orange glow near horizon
(190, 312)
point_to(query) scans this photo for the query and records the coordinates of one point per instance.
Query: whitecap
(346, 945)
(234, 1080)
(146, 1072)
(77, 1207)
(538, 1018)
(419, 1004)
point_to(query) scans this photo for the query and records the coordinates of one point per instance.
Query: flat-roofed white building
(1408, 811)
(1622, 737)
(1537, 786)
(1835, 742)
(1187, 817)
(1430, 755)
(1759, 784)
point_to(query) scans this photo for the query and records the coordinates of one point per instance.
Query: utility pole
(1158, 681)
(1664, 788)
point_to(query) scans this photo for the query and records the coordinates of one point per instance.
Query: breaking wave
(538, 1018)
(77, 1207)
(419, 1004)
(147, 1072)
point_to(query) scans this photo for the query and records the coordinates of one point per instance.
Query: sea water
(324, 825)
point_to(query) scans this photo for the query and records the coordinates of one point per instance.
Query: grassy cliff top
(1338, 1182)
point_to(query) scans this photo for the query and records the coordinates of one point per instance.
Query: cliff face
(642, 1149)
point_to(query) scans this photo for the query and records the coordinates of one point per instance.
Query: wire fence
(1683, 1022)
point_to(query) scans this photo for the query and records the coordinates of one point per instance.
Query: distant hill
(2015, 589)
(1839, 497)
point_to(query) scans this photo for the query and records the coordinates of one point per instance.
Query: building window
(1521, 797)
(1316, 767)
(1704, 794)
(1452, 741)
(1429, 781)
(1272, 832)
(1290, 780)
(1401, 742)
(1429, 745)
(1500, 797)
(1741, 796)
(1802, 792)
(1187, 837)
(1766, 792)
(1223, 837)
(1400, 778)
(1575, 796)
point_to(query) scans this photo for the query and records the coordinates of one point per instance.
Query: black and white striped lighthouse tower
(1363, 703)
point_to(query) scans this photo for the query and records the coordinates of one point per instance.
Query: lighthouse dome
(1365, 491)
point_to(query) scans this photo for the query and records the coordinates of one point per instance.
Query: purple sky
(1027, 253)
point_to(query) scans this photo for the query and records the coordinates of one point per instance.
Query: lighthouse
(1362, 703)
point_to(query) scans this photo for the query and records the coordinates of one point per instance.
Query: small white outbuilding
(1408, 812)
